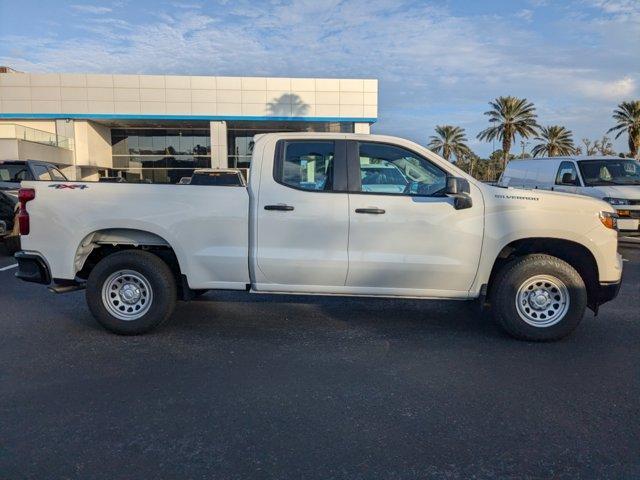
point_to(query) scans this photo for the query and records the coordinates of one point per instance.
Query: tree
(589, 147)
(448, 141)
(627, 116)
(555, 141)
(468, 162)
(604, 146)
(509, 116)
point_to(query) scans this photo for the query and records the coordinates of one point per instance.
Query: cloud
(609, 90)
(434, 66)
(525, 14)
(617, 7)
(93, 9)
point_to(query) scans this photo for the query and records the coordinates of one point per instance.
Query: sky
(437, 62)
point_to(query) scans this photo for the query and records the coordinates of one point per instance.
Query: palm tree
(510, 116)
(627, 116)
(449, 140)
(555, 141)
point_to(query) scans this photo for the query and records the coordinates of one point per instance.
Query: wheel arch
(100, 243)
(574, 253)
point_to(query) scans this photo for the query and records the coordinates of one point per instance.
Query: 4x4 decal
(60, 186)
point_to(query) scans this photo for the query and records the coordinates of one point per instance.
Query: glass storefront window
(159, 155)
(155, 141)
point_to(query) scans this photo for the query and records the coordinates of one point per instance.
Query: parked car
(223, 177)
(613, 179)
(12, 172)
(8, 211)
(306, 225)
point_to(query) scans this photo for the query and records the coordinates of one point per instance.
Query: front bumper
(32, 268)
(628, 219)
(607, 292)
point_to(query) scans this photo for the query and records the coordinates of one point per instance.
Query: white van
(613, 179)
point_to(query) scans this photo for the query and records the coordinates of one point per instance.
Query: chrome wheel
(127, 295)
(542, 300)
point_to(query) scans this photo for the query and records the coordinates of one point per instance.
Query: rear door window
(306, 165)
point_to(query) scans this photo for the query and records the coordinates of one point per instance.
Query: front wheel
(538, 298)
(131, 292)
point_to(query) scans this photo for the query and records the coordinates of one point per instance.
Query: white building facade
(158, 128)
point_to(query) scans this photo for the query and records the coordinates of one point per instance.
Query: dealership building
(159, 128)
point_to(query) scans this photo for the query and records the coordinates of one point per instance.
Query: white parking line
(9, 267)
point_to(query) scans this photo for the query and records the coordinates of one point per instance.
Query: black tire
(521, 272)
(146, 266)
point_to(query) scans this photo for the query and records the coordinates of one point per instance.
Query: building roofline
(137, 116)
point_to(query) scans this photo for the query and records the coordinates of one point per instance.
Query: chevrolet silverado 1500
(330, 214)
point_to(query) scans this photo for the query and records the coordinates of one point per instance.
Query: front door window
(388, 169)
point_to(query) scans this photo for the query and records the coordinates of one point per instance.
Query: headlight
(609, 220)
(616, 201)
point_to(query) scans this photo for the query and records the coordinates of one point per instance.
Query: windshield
(625, 171)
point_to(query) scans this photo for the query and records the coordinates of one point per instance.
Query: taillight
(24, 195)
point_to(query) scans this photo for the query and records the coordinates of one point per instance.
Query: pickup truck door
(405, 236)
(303, 218)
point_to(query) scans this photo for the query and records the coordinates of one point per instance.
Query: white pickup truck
(328, 214)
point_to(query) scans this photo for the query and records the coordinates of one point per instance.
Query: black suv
(12, 172)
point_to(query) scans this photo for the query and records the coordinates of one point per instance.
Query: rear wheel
(539, 298)
(131, 292)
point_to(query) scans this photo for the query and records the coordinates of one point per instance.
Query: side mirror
(567, 179)
(457, 186)
(458, 189)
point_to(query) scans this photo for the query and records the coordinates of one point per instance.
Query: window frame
(44, 167)
(55, 170)
(340, 180)
(355, 172)
(558, 181)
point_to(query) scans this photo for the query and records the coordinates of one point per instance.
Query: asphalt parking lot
(290, 387)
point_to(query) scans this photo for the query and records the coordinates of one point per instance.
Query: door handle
(374, 211)
(281, 207)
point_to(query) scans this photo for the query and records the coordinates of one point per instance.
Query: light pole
(523, 144)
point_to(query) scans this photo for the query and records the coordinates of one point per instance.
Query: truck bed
(207, 226)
